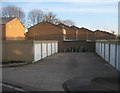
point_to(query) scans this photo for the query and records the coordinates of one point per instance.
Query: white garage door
(44, 50)
(37, 49)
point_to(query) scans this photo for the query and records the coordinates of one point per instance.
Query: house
(103, 35)
(46, 31)
(83, 34)
(69, 33)
(12, 29)
(65, 35)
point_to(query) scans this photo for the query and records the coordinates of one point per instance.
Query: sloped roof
(63, 25)
(103, 32)
(6, 20)
(44, 23)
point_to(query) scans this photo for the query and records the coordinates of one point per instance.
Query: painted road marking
(15, 88)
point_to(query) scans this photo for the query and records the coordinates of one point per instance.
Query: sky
(91, 14)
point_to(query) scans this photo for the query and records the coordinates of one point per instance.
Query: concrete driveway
(50, 74)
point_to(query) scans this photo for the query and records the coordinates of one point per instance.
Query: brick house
(62, 33)
(12, 29)
(84, 34)
(103, 35)
(69, 33)
(46, 31)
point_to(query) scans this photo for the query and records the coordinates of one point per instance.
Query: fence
(27, 51)
(109, 50)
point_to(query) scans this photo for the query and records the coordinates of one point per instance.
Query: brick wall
(78, 46)
(82, 34)
(45, 31)
(70, 33)
(100, 35)
(14, 30)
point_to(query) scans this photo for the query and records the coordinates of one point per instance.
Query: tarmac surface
(7, 87)
(51, 73)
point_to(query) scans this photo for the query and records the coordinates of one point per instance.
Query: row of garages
(27, 51)
(109, 50)
(44, 49)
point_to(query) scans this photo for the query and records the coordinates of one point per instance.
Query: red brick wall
(85, 34)
(82, 34)
(14, 30)
(70, 33)
(45, 31)
(91, 35)
(99, 35)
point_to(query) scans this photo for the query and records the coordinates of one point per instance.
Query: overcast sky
(91, 14)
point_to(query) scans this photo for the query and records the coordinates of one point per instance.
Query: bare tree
(57, 21)
(68, 22)
(51, 17)
(35, 16)
(112, 31)
(13, 11)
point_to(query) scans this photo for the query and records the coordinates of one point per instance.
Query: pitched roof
(63, 25)
(103, 32)
(45, 22)
(6, 20)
